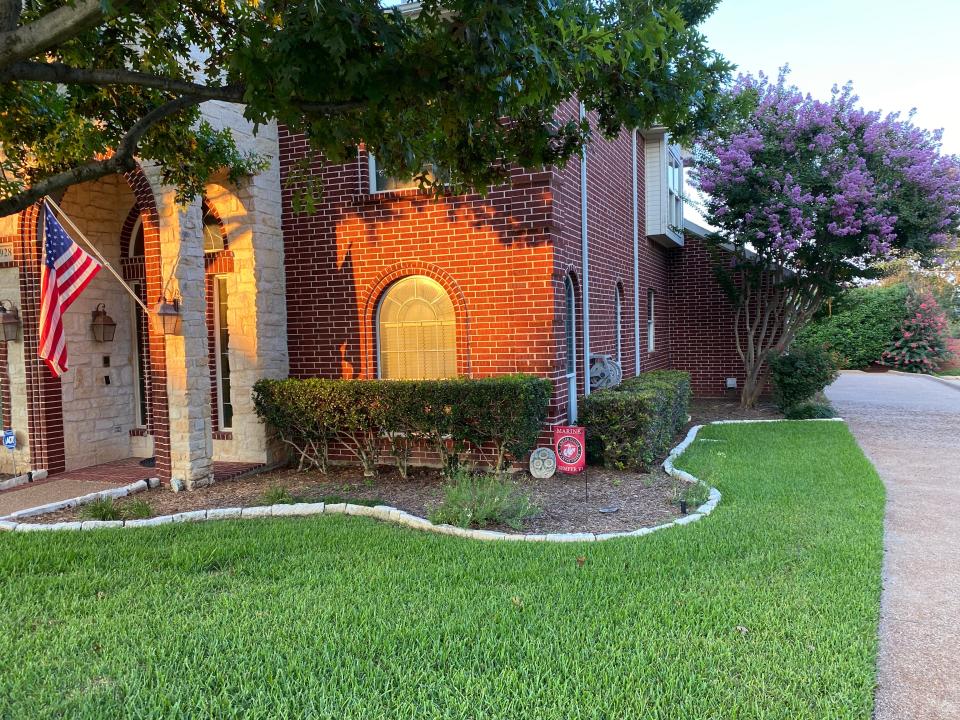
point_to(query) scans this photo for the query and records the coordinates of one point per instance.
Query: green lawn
(950, 372)
(766, 609)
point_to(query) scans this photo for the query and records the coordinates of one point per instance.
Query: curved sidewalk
(909, 427)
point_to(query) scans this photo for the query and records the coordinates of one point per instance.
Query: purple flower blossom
(800, 174)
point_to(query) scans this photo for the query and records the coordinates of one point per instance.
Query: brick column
(44, 396)
(187, 378)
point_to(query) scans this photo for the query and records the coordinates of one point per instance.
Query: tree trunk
(769, 314)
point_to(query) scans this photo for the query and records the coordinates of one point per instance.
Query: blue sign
(9, 440)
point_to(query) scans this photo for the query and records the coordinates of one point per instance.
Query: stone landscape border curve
(379, 512)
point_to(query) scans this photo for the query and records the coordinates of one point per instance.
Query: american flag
(67, 270)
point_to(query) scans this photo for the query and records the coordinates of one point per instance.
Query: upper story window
(213, 240)
(663, 188)
(416, 331)
(381, 182)
(675, 189)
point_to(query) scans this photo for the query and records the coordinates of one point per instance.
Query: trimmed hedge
(453, 416)
(633, 424)
(863, 323)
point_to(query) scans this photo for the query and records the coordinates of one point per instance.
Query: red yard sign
(570, 445)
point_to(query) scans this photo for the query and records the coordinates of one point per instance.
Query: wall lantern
(168, 312)
(104, 327)
(10, 320)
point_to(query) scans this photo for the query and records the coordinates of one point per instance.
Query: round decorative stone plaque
(543, 463)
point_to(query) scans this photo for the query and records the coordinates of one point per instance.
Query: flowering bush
(922, 342)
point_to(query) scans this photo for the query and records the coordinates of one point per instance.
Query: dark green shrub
(367, 416)
(631, 425)
(675, 383)
(301, 416)
(481, 500)
(859, 326)
(799, 374)
(810, 411)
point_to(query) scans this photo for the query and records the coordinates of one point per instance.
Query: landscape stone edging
(138, 486)
(27, 477)
(386, 513)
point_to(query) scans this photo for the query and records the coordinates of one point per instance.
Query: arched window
(213, 239)
(618, 322)
(416, 331)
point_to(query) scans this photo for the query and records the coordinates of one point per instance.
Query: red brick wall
(503, 260)
(701, 325)
(610, 234)
(490, 254)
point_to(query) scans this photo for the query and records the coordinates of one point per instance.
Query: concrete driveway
(909, 427)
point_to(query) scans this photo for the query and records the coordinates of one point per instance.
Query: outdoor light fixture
(10, 320)
(168, 312)
(104, 327)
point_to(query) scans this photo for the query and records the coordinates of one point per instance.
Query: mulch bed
(639, 499)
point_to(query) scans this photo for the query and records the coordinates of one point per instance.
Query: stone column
(188, 379)
(256, 309)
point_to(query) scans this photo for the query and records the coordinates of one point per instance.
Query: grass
(951, 372)
(766, 609)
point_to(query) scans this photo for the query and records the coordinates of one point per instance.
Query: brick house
(544, 276)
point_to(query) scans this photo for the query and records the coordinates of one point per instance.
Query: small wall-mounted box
(731, 383)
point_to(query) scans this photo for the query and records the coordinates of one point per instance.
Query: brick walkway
(95, 478)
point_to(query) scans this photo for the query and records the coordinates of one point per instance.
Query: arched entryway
(91, 416)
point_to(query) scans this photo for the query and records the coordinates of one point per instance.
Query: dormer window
(675, 190)
(663, 182)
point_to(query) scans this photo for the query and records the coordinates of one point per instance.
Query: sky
(899, 55)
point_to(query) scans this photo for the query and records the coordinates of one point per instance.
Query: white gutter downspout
(585, 254)
(636, 259)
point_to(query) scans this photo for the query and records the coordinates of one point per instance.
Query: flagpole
(96, 252)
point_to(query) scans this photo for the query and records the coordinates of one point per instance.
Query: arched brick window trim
(133, 269)
(159, 414)
(560, 276)
(368, 336)
(215, 263)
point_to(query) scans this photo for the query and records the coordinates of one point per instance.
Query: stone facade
(90, 415)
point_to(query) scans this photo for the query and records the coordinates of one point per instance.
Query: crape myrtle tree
(810, 195)
(87, 86)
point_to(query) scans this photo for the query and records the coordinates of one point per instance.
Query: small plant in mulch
(107, 509)
(101, 509)
(277, 495)
(471, 500)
